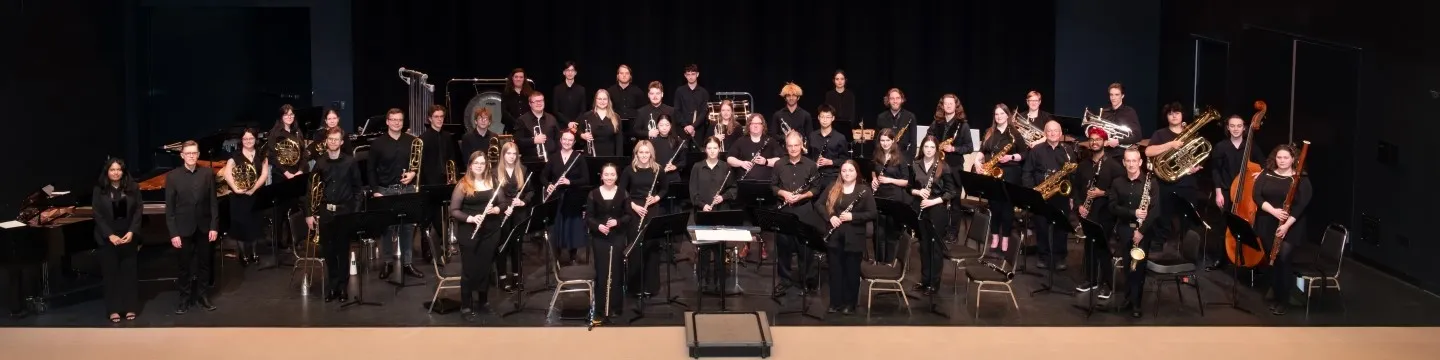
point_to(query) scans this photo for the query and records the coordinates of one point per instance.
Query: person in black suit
(536, 145)
(848, 207)
(191, 218)
(117, 205)
(340, 175)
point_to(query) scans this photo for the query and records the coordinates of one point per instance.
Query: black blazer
(194, 210)
(116, 212)
(850, 236)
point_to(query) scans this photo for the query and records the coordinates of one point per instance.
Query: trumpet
(591, 145)
(540, 148)
(652, 125)
(417, 148)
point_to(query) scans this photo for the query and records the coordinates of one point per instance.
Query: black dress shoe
(919, 287)
(387, 270)
(781, 289)
(204, 303)
(411, 271)
(183, 308)
(848, 310)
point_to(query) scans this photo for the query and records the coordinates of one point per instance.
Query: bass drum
(489, 99)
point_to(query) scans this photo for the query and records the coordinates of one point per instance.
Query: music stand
(676, 192)
(722, 219)
(409, 209)
(271, 198)
(539, 219)
(364, 224)
(436, 196)
(906, 214)
(1244, 236)
(1031, 201)
(659, 227)
(755, 194)
(1098, 243)
(785, 223)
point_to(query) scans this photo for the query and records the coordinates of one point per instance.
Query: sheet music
(11, 224)
(711, 236)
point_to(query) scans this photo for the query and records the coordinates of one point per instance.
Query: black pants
(117, 264)
(1171, 212)
(1097, 261)
(1134, 277)
(844, 277)
(607, 257)
(477, 258)
(711, 266)
(335, 249)
(1282, 278)
(887, 232)
(787, 246)
(644, 267)
(932, 254)
(195, 260)
(508, 263)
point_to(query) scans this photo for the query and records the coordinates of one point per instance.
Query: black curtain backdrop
(985, 52)
(65, 70)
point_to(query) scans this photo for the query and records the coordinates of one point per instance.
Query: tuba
(1174, 163)
(417, 148)
(1057, 183)
(1115, 131)
(287, 152)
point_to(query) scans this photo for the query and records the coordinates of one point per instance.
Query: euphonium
(417, 148)
(1174, 163)
(287, 151)
(990, 167)
(1057, 182)
(1027, 130)
(1113, 130)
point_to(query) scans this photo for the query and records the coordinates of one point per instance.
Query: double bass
(1242, 203)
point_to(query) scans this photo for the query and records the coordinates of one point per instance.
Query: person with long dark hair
(477, 201)
(711, 190)
(933, 186)
(118, 206)
(889, 180)
(607, 219)
(1273, 220)
(566, 169)
(847, 208)
(671, 159)
(249, 166)
(1002, 219)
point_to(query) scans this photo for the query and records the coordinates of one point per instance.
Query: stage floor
(248, 297)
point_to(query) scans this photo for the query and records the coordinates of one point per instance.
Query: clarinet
(847, 208)
(573, 161)
(752, 157)
(1091, 185)
(483, 213)
(806, 186)
(928, 182)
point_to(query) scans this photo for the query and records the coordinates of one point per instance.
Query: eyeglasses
(190, 153)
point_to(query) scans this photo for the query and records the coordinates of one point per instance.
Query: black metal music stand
(539, 220)
(366, 225)
(436, 196)
(1245, 236)
(756, 194)
(785, 223)
(659, 227)
(1190, 212)
(677, 193)
(1096, 242)
(273, 197)
(720, 219)
(1031, 201)
(409, 209)
(985, 187)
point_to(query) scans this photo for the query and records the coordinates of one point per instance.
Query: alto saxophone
(990, 167)
(417, 149)
(1137, 253)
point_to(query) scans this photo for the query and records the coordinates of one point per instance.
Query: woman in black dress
(569, 170)
(601, 130)
(608, 219)
(847, 208)
(512, 179)
(1002, 213)
(889, 180)
(1272, 219)
(117, 206)
(645, 185)
(476, 201)
(245, 172)
(933, 185)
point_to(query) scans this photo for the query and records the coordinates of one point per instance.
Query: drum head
(489, 99)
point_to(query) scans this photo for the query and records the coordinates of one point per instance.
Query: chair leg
(1199, 301)
(438, 286)
(1309, 291)
(869, 296)
(906, 299)
(978, 292)
(1012, 297)
(555, 296)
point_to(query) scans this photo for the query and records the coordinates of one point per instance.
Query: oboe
(863, 190)
(483, 213)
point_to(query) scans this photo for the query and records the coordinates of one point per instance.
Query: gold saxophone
(1174, 163)
(989, 167)
(417, 148)
(1136, 253)
(1057, 183)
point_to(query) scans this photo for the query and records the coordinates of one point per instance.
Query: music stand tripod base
(739, 334)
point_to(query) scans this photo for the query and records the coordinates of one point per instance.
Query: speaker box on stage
(728, 334)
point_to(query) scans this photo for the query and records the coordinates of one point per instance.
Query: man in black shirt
(1122, 115)
(1041, 162)
(793, 185)
(192, 218)
(827, 148)
(691, 104)
(1133, 223)
(896, 118)
(1096, 173)
(1227, 160)
(340, 177)
(388, 170)
(569, 99)
(476, 140)
(649, 115)
(625, 98)
(791, 117)
(536, 146)
(842, 101)
(439, 155)
(1186, 187)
